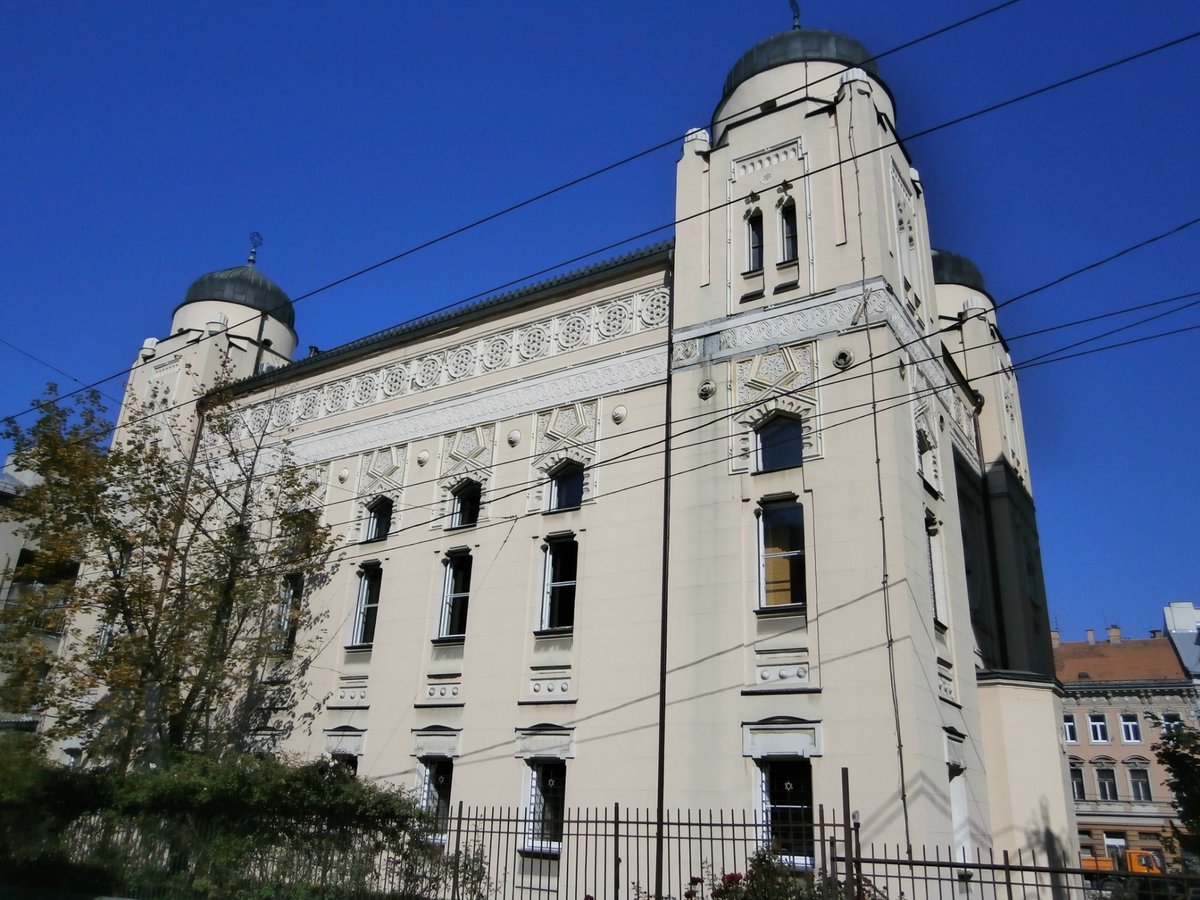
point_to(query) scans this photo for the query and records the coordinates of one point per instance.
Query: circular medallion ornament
(310, 404)
(395, 381)
(706, 389)
(422, 457)
(514, 438)
(654, 308)
(618, 414)
(572, 332)
(428, 371)
(614, 320)
(343, 476)
(364, 390)
(337, 396)
(281, 413)
(534, 342)
(497, 353)
(461, 362)
(259, 419)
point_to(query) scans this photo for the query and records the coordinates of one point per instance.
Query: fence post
(1007, 876)
(616, 891)
(457, 859)
(847, 838)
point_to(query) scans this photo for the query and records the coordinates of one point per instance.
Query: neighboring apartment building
(738, 509)
(1120, 694)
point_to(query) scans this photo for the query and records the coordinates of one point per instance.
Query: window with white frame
(558, 596)
(780, 443)
(1139, 785)
(1070, 732)
(285, 617)
(456, 594)
(566, 486)
(1078, 785)
(788, 807)
(781, 546)
(754, 242)
(467, 499)
(1171, 722)
(934, 556)
(1106, 781)
(379, 519)
(547, 805)
(1131, 728)
(787, 232)
(366, 610)
(435, 795)
(1098, 728)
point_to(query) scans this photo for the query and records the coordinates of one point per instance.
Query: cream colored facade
(805, 506)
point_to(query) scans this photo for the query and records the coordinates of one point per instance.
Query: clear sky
(140, 143)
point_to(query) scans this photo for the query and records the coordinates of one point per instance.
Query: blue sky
(142, 142)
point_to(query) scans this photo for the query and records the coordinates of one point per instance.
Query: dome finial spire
(795, 14)
(255, 243)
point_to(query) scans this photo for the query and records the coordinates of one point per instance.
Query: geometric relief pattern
(564, 433)
(926, 434)
(772, 382)
(572, 330)
(469, 454)
(380, 474)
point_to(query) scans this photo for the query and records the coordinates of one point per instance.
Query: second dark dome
(246, 286)
(798, 45)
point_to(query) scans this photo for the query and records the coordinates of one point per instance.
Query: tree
(188, 626)
(1178, 751)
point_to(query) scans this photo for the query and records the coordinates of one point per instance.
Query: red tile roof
(1146, 659)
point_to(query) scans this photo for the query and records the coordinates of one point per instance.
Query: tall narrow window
(1078, 786)
(1070, 733)
(1139, 784)
(780, 443)
(547, 796)
(781, 527)
(285, 617)
(754, 242)
(1106, 782)
(787, 224)
(379, 519)
(370, 577)
(439, 778)
(566, 486)
(558, 602)
(1098, 728)
(787, 806)
(1131, 729)
(456, 594)
(467, 498)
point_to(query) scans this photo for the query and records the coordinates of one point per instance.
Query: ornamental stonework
(779, 380)
(466, 454)
(564, 433)
(380, 474)
(568, 332)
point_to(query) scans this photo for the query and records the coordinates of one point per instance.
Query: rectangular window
(562, 564)
(787, 806)
(754, 242)
(285, 617)
(370, 577)
(1139, 783)
(468, 497)
(1106, 781)
(547, 796)
(1078, 790)
(1098, 728)
(1131, 729)
(439, 779)
(566, 486)
(788, 226)
(456, 594)
(780, 443)
(781, 527)
(1171, 722)
(1070, 734)
(379, 520)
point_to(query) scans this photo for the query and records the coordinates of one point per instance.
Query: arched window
(566, 486)
(780, 443)
(379, 519)
(467, 498)
(754, 242)
(787, 233)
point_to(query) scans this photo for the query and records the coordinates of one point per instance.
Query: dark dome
(246, 286)
(950, 268)
(797, 45)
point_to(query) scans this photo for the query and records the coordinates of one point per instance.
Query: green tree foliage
(1179, 753)
(188, 628)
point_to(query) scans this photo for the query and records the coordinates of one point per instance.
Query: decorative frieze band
(496, 352)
